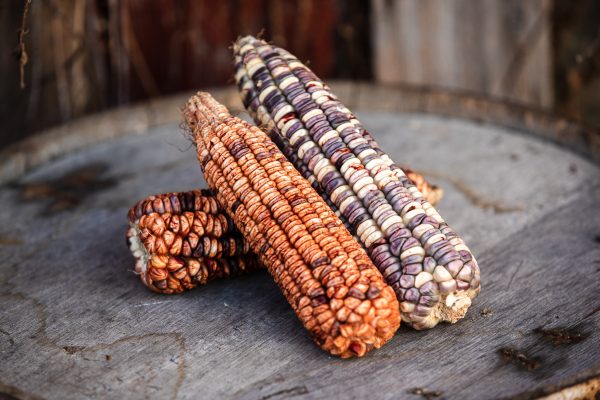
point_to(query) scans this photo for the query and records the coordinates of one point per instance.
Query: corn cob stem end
(452, 308)
(141, 255)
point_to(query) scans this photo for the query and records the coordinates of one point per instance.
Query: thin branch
(22, 51)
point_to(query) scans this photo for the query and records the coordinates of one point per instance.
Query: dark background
(84, 56)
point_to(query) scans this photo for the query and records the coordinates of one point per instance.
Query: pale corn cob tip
(325, 275)
(432, 271)
(181, 240)
(172, 259)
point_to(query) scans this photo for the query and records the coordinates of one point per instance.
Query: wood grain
(492, 47)
(75, 321)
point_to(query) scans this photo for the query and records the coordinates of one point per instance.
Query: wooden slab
(75, 322)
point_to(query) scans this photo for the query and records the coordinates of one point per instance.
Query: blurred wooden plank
(493, 47)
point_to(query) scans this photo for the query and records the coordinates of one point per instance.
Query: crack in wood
(291, 392)
(42, 337)
(475, 198)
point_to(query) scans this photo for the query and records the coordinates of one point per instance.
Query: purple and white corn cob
(432, 271)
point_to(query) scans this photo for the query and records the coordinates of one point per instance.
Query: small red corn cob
(181, 240)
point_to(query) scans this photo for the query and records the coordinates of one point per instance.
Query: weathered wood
(77, 323)
(89, 131)
(492, 47)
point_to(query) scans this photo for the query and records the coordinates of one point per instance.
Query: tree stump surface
(76, 322)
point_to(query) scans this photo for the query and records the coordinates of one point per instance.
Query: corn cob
(327, 278)
(207, 247)
(433, 273)
(181, 240)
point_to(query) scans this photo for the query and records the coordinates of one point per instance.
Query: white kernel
(441, 274)
(304, 148)
(364, 226)
(349, 162)
(438, 237)
(382, 179)
(284, 110)
(372, 238)
(297, 135)
(431, 212)
(413, 251)
(254, 65)
(382, 208)
(373, 163)
(288, 81)
(321, 100)
(320, 165)
(356, 142)
(311, 113)
(455, 241)
(367, 232)
(319, 93)
(328, 135)
(461, 247)
(389, 222)
(246, 48)
(365, 153)
(407, 217)
(407, 307)
(279, 70)
(420, 230)
(365, 190)
(288, 125)
(399, 173)
(344, 204)
(325, 170)
(337, 191)
(263, 94)
(344, 126)
(465, 274)
(361, 183)
(422, 278)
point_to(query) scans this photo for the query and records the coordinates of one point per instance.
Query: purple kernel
(412, 269)
(407, 281)
(412, 295)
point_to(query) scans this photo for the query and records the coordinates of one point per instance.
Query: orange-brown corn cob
(326, 276)
(211, 249)
(182, 240)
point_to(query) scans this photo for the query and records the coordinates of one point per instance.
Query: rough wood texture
(140, 119)
(494, 47)
(76, 322)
